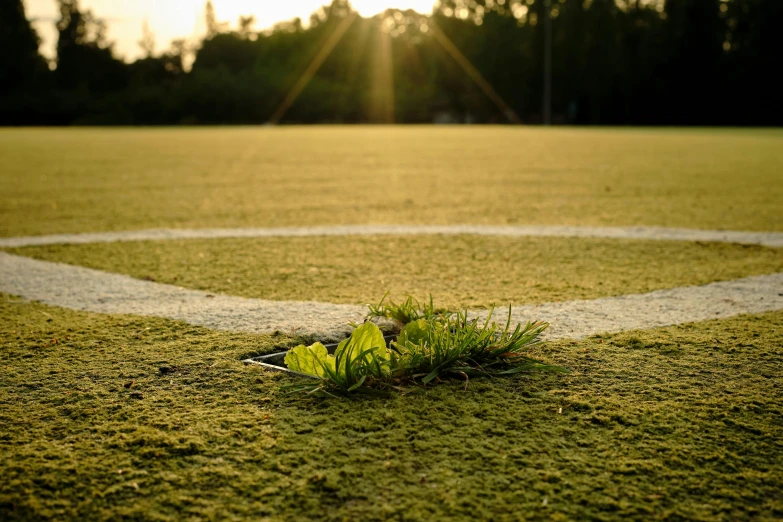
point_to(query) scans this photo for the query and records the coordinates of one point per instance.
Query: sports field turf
(85, 180)
(459, 271)
(106, 417)
(678, 423)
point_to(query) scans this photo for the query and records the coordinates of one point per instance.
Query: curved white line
(91, 290)
(768, 239)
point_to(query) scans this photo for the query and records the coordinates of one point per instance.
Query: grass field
(460, 271)
(679, 423)
(86, 180)
(106, 417)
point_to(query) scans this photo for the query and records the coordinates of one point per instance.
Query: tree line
(619, 62)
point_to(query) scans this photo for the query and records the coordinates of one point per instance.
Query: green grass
(427, 351)
(119, 417)
(83, 180)
(676, 423)
(459, 271)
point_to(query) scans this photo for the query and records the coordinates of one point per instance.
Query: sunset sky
(170, 19)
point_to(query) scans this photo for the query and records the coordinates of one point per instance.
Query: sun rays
(377, 38)
(323, 53)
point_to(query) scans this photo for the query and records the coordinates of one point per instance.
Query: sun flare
(266, 14)
(170, 19)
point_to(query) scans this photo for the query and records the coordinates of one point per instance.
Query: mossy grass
(462, 271)
(119, 417)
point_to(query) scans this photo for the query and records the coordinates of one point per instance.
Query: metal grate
(275, 361)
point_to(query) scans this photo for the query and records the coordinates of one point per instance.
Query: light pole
(547, 62)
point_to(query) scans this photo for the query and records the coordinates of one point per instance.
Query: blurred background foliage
(640, 62)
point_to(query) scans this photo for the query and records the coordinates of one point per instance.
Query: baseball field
(140, 267)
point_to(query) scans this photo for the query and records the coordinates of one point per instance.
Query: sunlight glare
(170, 19)
(231, 10)
(373, 7)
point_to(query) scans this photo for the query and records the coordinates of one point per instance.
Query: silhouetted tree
(614, 61)
(84, 58)
(246, 24)
(147, 42)
(24, 71)
(20, 63)
(213, 26)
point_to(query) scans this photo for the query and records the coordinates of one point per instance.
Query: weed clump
(431, 345)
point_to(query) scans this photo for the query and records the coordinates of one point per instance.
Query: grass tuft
(431, 345)
(407, 311)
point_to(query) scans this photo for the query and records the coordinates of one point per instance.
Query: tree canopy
(641, 62)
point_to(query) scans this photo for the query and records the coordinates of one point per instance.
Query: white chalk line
(767, 239)
(85, 289)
